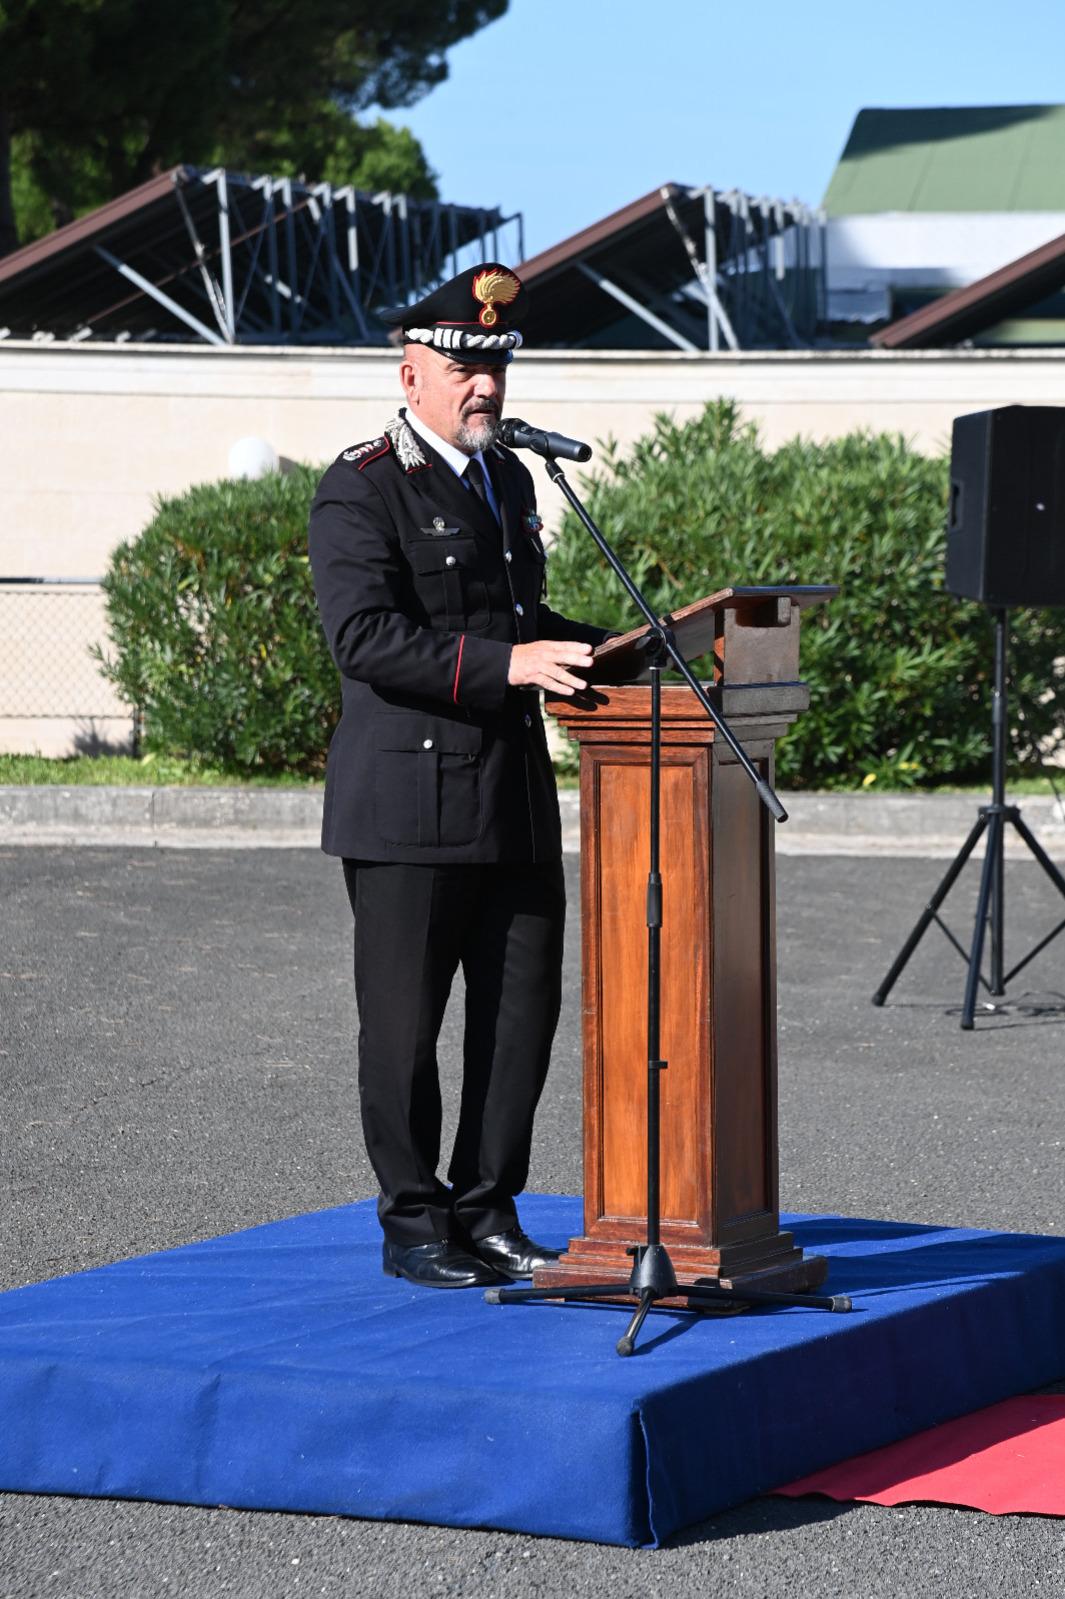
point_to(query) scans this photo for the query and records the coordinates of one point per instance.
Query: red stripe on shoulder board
(458, 669)
(386, 446)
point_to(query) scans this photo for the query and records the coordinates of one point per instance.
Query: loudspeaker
(1006, 522)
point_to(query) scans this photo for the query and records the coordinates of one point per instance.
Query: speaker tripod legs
(991, 902)
(990, 910)
(989, 899)
(931, 910)
(1039, 852)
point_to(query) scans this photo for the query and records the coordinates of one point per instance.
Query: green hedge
(216, 637)
(899, 670)
(215, 632)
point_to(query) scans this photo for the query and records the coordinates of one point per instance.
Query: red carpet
(1006, 1459)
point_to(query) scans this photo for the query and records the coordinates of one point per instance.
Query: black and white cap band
(444, 338)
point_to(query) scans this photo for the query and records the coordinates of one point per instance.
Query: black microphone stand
(653, 1278)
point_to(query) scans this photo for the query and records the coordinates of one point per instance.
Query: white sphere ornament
(253, 458)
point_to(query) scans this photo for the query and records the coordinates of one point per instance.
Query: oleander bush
(216, 638)
(899, 670)
(215, 635)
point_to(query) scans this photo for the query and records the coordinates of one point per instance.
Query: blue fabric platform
(277, 1368)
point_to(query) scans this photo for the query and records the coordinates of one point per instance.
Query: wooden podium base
(771, 1263)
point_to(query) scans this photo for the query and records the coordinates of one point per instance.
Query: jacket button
(450, 561)
(528, 719)
(508, 556)
(427, 743)
(519, 609)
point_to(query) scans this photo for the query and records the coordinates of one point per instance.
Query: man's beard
(477, 430)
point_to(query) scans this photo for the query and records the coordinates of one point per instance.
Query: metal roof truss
(703, 269)
(245, 260)
(760, 276)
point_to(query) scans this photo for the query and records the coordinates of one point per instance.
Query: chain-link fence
(48, 626)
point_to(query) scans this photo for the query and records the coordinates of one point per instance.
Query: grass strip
(127, 771)
(169, 771)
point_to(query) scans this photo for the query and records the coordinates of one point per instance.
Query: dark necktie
(474, 476)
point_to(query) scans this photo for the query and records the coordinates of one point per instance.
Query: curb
(161, 818)
(932, 825)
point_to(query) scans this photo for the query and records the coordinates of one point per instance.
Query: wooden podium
(719, 1208)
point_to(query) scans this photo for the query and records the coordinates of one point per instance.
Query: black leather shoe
(441, 1264)
(513, 1253)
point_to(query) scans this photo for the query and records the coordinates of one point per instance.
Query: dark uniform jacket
(422, 596)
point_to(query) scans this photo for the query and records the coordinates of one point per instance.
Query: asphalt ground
(176, 1059)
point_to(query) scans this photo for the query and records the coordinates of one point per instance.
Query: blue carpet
(277, 1368)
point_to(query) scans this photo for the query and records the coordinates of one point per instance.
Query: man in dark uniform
(440, 796)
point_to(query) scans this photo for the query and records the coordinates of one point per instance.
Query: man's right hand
(543, 665)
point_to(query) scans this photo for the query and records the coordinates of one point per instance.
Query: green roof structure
(952, 158)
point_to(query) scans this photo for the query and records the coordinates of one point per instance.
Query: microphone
(519, 435)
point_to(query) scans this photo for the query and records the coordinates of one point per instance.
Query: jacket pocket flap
(411, 732)
(427, 555)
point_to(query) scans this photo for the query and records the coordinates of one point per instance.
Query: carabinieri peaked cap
(469, 318)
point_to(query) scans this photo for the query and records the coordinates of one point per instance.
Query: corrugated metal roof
(952, 158)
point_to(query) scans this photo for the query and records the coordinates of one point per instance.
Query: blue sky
(567, 109)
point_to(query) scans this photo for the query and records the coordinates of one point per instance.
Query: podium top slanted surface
(695, 627)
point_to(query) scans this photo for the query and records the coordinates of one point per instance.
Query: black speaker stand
(991, 903)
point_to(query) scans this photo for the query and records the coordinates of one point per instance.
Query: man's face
(462, 403)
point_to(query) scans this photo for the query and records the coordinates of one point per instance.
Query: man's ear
(409, 377)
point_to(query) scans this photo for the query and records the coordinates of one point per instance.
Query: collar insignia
(494, 286)
(406, 444)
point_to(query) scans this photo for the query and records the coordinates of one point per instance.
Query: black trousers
(414, 927)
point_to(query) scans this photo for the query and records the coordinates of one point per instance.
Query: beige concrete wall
(89, 435)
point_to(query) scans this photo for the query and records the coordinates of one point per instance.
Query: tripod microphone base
(652, 1271)
(652, 1265)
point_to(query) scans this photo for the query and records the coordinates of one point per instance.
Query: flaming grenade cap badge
(493, 287)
